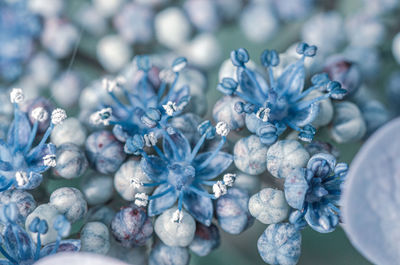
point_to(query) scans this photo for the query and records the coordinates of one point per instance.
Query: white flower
(263, 114)
(219, 189)
(229, 179)
(222, 128)
(21, 177)
(16, 95)
(49, 160)
(177, 216)
(40, 114)
(58, 116)
(141, 199)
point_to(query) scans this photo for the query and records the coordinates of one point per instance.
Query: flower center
(180, 175)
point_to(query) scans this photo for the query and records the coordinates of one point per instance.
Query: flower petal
(154, 167)
(320, 219)
(216, 166)
(160, 204)
(180, 96)
(305, 116)
(36, 155)
(70, 245)
(5, 153)
(252, 84)
(23, 129)
(34, 181)
(18, 243)
(200, 207)
(292, 79)
(296, 188)
(180, 148)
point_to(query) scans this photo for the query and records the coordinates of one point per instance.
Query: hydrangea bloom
(18, 27)
(19, 248)
(149, 102)
(180, 173)
(314, 191)
(277, 103)
(20, 164)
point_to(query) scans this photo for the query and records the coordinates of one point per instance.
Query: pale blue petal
(199, 207)
(216, 166)
(159, 205)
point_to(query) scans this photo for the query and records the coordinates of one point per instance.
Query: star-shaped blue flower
(146, 102)
(21, 166)
(181, 173)
(16, 244)
(314, 193)
(277, 103)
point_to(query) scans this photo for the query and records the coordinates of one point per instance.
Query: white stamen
(170, 108)
(177, 216)
(229, 179)
(40, 114)
(136, 183)
(219, 189)
(222, 128)
(49, 160)
(263, 114)
(167, 75)
(141, 199)
(16, 95)
(102, 116)
(21, 177)
(109, 85)
(150, 139)
(58, 116)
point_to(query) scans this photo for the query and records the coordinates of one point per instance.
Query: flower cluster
(21, 166)
(152, 99)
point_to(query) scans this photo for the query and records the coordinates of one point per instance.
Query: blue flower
(20, 164)
(272, 106)
(18, 28)
(181, 173)
(18, 247)
(314, 193)
(147, 102)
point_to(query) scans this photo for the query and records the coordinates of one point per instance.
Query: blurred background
(55, 47)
